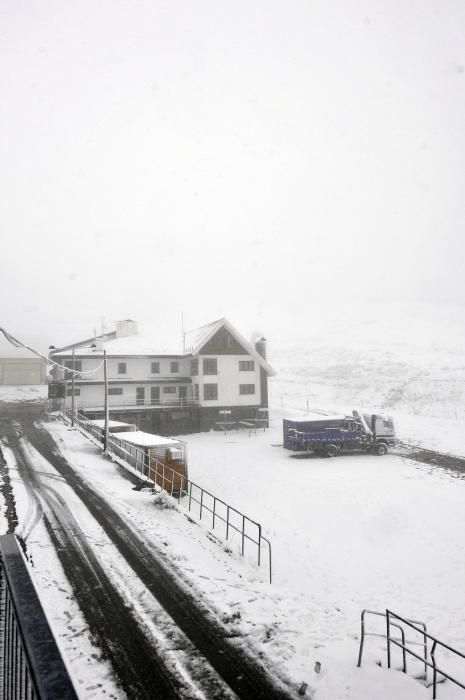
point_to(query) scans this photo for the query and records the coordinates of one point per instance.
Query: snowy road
(209, 663)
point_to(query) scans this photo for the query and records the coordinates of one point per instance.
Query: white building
(169, 392)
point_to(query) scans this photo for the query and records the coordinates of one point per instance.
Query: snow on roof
(147, 343)
(146, 439)
(314, 417)
(197, 336)
(159, 344)
(100, 423)
(24, 392)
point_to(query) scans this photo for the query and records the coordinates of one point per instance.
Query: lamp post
(72, 389)
(105, 377)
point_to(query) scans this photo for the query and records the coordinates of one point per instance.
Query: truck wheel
(331, 451)
(381, 449)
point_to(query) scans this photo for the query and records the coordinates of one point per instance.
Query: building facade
(15, 371)
(168, 393)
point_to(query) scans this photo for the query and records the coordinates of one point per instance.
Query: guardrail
(193, 497)
(396, 621)
(31, 666)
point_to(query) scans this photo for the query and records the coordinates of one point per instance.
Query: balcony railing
(114, 403)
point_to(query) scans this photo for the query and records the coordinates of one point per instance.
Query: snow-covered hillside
(407, 360)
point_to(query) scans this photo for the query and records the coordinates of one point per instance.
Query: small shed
(161, 459)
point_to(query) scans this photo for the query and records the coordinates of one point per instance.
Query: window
(246, 365)
(194, 368)
(196, 391)
(210, 392)
(140, 395)
(155, 368)
(174, 367)
(154, 394)
(246, 388)
(115, 391)
(169, 389)
(69, 392)
(122, 367)
(182, 392)
(210, 366)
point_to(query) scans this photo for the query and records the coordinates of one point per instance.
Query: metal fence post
(388, 639)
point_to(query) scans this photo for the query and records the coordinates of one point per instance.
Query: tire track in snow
(139, 669)
(244, 674)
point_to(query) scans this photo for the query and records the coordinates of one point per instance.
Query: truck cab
(382, 429)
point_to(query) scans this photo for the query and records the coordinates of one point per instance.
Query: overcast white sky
(245, 159)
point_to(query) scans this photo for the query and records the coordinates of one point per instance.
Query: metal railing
(190, 495)
(115, 403)
(396, 621)
(31, 666)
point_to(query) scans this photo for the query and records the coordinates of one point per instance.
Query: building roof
(152, 344)
(142, 439)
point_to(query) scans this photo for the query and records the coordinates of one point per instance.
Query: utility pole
(72, 391)
(105, 377)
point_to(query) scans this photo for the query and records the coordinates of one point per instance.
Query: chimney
(260, 347)
(125, 328)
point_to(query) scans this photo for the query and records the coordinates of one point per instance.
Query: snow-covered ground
(350, 533)
(28, 392)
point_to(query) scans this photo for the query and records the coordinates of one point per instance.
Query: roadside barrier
(31, 666)
(225, 520)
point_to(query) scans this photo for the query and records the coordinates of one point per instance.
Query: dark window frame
(246, 366)
(194, 367)
(115, 391)
(207, 366)
(174, 367)
(169, 390)
(120, 367)
(246, 389)
(157, 368)
(207, 388)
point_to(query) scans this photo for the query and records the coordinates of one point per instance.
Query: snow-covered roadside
(352, 533)
(92, 675)
(349, 533)
(25, 393)
(443, 434)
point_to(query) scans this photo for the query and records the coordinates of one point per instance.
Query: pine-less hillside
(405, 360)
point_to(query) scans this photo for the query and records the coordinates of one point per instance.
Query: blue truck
(333, 434)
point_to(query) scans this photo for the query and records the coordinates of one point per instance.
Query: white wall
(136, 368)
(228, 379)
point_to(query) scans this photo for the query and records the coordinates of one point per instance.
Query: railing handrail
(162, 470)
(29, 646)
(129, 403)
(419, 628)
(412, 623)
